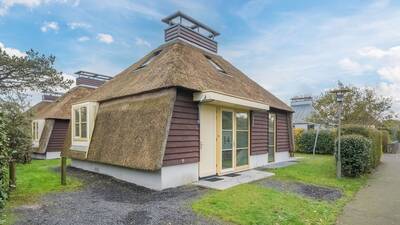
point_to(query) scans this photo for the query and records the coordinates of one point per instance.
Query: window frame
(149, 60)
(79, 123)
(35, 130)
(215, 65)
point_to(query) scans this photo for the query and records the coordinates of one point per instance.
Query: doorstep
(230, 180)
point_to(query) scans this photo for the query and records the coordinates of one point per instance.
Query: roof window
(215, 65)
(149, 60)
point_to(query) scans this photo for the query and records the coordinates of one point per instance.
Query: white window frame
(35, 130)
(80, 123)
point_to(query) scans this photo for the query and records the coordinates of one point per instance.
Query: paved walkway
(379, 202)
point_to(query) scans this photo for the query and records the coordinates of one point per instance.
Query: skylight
(149, 60)
(216, 66)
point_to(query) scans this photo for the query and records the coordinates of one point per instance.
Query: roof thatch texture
(61, 108)
(182, 65)
(132, 131)
(45, 136)
(37, 110)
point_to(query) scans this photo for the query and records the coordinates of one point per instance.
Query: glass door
(271, 137)
(242, 139)
(227, 141)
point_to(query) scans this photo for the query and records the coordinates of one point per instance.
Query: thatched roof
(61, 108)
(182, 65)
(144, 118)
(37, 110)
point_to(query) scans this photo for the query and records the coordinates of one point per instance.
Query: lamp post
(339, 99)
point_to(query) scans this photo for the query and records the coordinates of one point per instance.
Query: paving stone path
(379, 202)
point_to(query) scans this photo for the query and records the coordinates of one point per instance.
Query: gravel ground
(306, 190)
(104, 200)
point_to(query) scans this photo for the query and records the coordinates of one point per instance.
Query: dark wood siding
(282, 132)
(259, 133)
(58, 135)
(183, 143)
(89, 82)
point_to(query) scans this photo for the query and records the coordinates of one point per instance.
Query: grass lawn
(34, 180)
(254, 204)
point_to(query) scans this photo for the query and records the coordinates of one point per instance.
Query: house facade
(303, 110)
(51, 118)
(179, 114)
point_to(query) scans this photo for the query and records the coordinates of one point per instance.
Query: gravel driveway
(104, 200)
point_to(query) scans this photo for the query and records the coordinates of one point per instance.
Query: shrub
(355, 155)
(325, 142)
(4, 157)
(297, 135)
(385, 140)
(371, 133)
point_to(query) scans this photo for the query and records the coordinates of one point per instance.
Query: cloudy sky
(289, 47)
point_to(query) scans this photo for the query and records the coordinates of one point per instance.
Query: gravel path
(104, 200)
(306, 190)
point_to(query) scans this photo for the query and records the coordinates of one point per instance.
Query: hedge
(373, 134)
(355, 155)
(297, 134)
(386, 140)
(3, 162)
(325, 142)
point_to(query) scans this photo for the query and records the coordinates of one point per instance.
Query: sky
(290, 47)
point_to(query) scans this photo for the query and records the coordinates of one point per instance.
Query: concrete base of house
(47, 155)
(282, 156)
(262, 159)
(166, 177)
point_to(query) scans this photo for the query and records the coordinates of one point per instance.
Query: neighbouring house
(51, 116)
(303, 109)
(180, 113)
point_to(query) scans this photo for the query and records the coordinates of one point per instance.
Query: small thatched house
(179, 114)
(51, 117)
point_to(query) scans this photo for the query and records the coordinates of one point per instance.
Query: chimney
(184, 27)
(50, 97)
(89, 79)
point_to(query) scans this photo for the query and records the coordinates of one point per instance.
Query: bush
(325, 142)
(297, 135)
(385, 140)
(4, 157)
(355, 155)
(371, 133)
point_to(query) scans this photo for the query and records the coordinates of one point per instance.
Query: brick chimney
(185, 28)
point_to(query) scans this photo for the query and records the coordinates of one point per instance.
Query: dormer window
(149, 60)
(215, 65)
(80, 122)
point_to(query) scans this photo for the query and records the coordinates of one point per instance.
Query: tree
(4, 157)
(34, 72)
(362, 106)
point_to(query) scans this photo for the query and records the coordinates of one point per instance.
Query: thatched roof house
(50, 120)
(180, 113)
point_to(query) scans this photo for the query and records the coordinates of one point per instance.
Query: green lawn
(34, 180)
(254, 204)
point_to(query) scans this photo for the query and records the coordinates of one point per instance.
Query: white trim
(82, 144)
(221, 98)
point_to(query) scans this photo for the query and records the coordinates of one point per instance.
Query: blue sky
(290, 47)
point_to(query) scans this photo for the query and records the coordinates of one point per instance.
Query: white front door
(207, 165)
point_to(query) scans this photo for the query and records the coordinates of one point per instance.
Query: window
(35, 130)
(215, 65)
(80, 122)
(271, 137)
(149, 60)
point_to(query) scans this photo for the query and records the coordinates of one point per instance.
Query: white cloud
(83, 39)
(353, 67)
(372, 52)
(391, 73)
(49, 26)
(141, 42)
(105, 38)
(5, 5)
(12, 51)
(76, 25)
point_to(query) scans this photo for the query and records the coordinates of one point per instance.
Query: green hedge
(3, 162)
(385, 140)
(372, 134)
(325, 142)
(355, 155)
